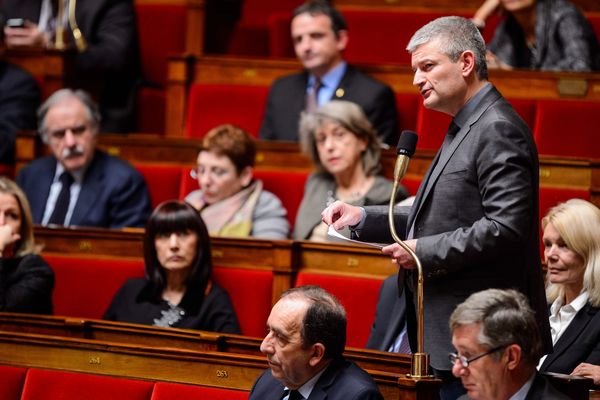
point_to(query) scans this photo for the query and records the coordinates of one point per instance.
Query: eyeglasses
(464, 361)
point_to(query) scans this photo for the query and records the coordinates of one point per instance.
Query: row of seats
(167, 181)
(85, 286)
(19, 383)
(552, 121)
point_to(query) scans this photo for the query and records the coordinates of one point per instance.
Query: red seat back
(177, 391)
(84, 287)
(163, 181)
(287, 185)
(161, 31)
(357, 295)
(407, 106)
(211, 105)
(11, 382)
(431, 127)
(250, 291)
(60, 385)
(567, 128)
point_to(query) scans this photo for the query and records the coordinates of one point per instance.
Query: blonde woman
(572, 252)
(26, 280)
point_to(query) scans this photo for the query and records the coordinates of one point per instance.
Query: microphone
(405, 150)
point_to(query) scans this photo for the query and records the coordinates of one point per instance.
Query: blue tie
(62, 202)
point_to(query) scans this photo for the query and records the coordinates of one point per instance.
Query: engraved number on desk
(95, 360)
(352, 262)
(221, 373)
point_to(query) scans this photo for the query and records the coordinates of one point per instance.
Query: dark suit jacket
(475, 218)
(113, 193)
(110, 67)
(19, 98)
(342, 380)
(287, 100)
(541, 389)
(579, 343)
(390, 316)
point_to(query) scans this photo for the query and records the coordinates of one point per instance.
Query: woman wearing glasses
(345, 150)
(230, 200)
(572, 252)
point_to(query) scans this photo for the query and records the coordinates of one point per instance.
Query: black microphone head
(407, 143)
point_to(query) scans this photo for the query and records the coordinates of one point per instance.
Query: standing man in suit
(498, 345)
(474, 222)
(79, 185)
(107, 66)
(304, 345)
(320, 36)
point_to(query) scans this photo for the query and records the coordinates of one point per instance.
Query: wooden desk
(207, 368)
(47, 66)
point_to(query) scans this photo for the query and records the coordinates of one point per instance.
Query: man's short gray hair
(59, 96)
(455, 35)
(505, 317)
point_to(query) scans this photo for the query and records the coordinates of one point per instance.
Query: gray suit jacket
(476, 220)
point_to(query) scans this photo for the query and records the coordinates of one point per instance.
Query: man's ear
(318, 352)
(513, 355)
(342, 40)
(467, 60)
(246, 176)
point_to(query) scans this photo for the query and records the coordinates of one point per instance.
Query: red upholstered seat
(161, 30)
(357, 295)
(431, 127)
(411, 184)
(163, 181)
(60, 385)
(407, 105)
(526, 109)
(11, 382)
(176, 391)
(568, 128)
(595, 22)
(551, 196)
(250, 291)
(251, 36)
(287, 185)
(84, 287)
(211, 105)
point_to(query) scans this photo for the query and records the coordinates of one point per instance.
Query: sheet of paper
(335, 234)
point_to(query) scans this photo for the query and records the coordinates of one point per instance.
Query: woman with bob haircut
(26, 280)
(178, 290)
(345, 150)
(572, 251)
(230, 200)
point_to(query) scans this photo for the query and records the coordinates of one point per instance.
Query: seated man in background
(304, 345)
(498, 346)
(19, 98)
(320, 36)
(79, 185)
(107, 61)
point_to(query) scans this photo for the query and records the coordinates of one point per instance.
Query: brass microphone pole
(406, 148)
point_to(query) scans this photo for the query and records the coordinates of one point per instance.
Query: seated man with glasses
(498, 347)
(79, 185)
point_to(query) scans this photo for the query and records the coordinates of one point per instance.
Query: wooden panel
(217, 369)
(47, 66)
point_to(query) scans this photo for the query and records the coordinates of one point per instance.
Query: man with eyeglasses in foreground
(498, 346)
(79, 185)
